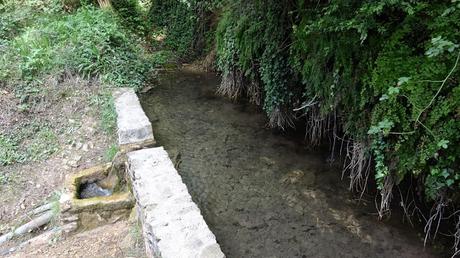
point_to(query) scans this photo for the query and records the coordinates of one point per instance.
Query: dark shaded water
(90, 190)
(263, 195)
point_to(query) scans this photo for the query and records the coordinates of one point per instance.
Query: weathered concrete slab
(173, 226)
(133, 125)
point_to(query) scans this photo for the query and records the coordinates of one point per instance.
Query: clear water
(262, 194)
(90, 190)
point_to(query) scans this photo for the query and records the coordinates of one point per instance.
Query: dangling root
(319, 126)
(255, 93)
(436, 215)
(457, 237)
(387, 194)
(358, 165)
(232, 85)
(104, 3)
(281, 118)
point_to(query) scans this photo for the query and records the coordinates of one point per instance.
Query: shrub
(89, 42)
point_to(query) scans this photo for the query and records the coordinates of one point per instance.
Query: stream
(264, 194)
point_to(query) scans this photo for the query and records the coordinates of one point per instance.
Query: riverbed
(264, 194)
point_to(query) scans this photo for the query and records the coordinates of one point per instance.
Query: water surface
(263, 194)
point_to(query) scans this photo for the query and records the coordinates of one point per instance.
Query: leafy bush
(89, 42)
(185, 24)
(382, 74)
(131, 14)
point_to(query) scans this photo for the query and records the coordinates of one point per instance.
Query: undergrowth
(53, 38)
(378, 80)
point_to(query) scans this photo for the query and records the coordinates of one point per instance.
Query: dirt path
(114, 240)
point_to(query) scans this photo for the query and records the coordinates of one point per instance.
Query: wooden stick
(26, 228)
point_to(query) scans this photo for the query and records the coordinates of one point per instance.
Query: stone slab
(133, 126)
(172, 223)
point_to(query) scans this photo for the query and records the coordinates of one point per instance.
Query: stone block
(133, 126)
(172, 223)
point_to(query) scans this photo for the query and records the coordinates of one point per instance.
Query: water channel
(264, 194)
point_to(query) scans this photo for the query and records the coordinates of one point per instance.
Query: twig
(440, 88)
(309, 104)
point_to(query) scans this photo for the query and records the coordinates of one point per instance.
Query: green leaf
(384, 97)
(445, 173)
(443, 144)
(401, 81)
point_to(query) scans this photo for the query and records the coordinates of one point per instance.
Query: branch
(440, 88)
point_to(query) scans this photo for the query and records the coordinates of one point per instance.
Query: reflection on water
(262, 195)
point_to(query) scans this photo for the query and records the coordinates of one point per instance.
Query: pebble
(74, 162)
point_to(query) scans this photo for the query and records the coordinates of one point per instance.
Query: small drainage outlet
(96, 196)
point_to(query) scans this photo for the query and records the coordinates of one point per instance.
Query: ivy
(383, 73)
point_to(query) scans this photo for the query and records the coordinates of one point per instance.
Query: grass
(105, 105)
(111, 152)
(38, 39)
(108, 115)
(90, 42)
(33, 142)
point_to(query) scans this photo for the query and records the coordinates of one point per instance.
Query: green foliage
(252, 37)
(131, 14)
(89, 42)
(386, 70)
(423, 100)
(178, 21)
(8, 151)
(111, 152)
(106, 106)
(184, 23)
(162, 57)
(109, 116)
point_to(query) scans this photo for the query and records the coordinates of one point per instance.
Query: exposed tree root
(43, 208)
(457, 237)
(386, 194)
(232, 85)
(319, 126)
(281, 118)
(358, 165)
(436, 215)
(104, 3)
(255, 92)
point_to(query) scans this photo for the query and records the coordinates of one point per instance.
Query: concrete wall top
(173, 226)
(133, 125)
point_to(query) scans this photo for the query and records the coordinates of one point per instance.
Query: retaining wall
(172, 224)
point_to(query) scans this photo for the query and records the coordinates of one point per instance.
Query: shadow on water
(263, 194)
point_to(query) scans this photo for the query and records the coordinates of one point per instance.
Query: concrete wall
(133, 126)
(173, 226)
